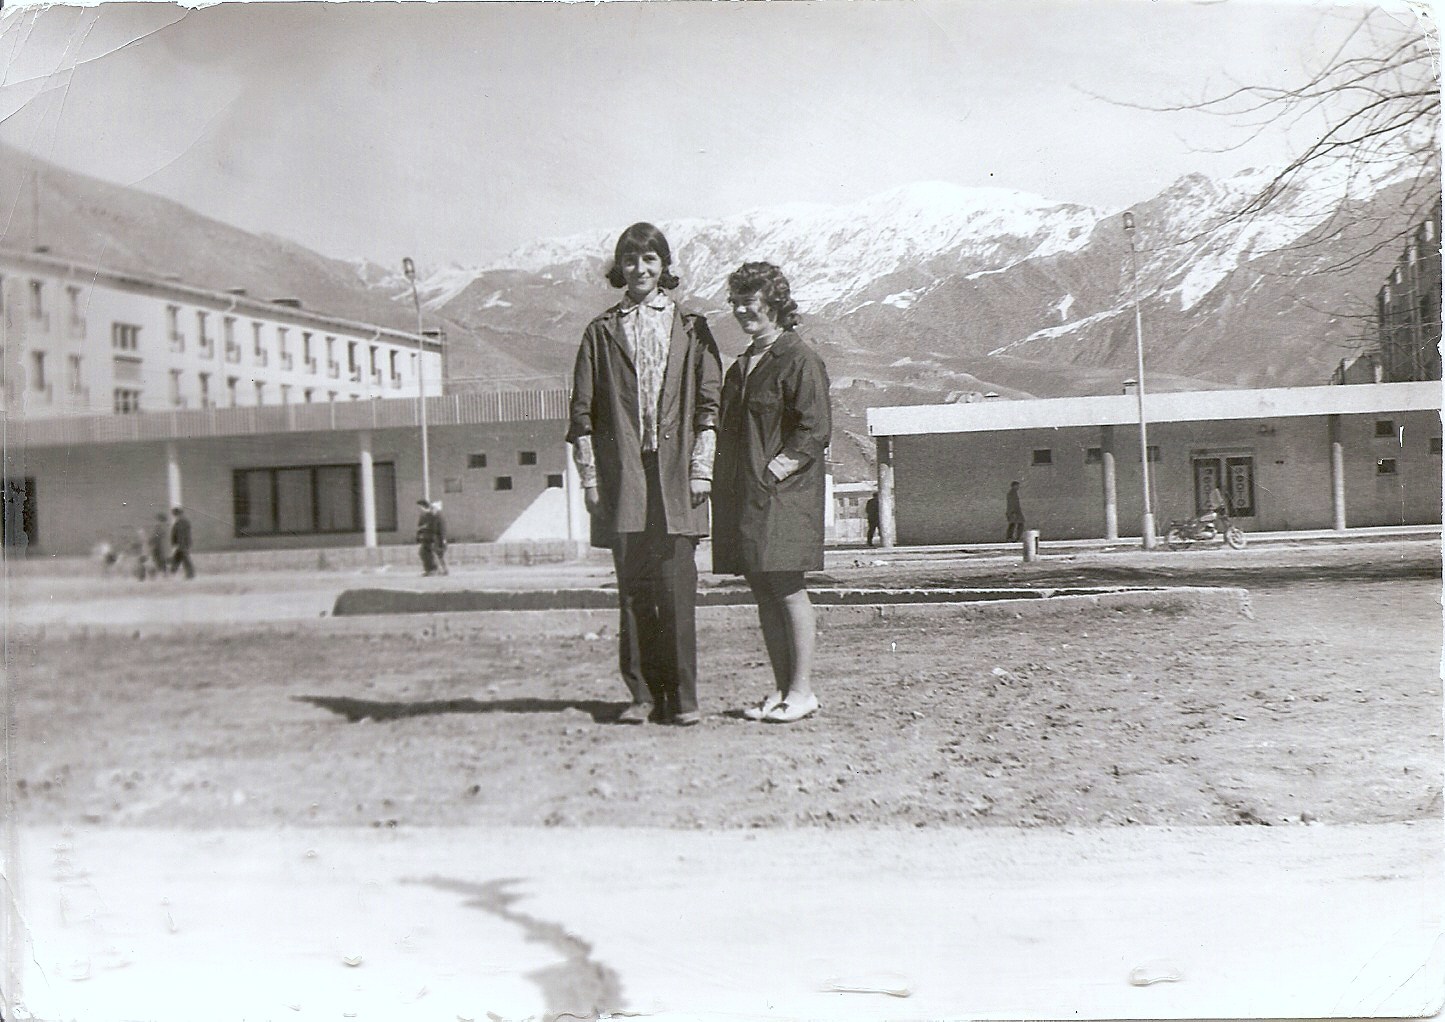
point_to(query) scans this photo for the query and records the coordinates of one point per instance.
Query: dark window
(1385, 467)
(1434, 445)
(526, 457)
(502, 483)
(124, 336)
(310, 499)
(126, 400)
(1154, 454)
(1043, 456)
(1385, 429)
(554, 482)
(476, 461)
(1094, 456)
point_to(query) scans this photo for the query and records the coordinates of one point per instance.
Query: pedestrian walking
(774, 429)
(426, 537)
(181, 543)
(1014, 514)
(642, 428)
(870, 512)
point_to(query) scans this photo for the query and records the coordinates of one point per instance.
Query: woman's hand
(701, 489)
(591, 499)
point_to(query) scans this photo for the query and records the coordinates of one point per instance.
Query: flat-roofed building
(1294, 458)
(82, 340)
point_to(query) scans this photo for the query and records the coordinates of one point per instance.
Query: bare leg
(774, 621)
(801, 622)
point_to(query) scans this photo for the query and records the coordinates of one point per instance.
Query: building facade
(1407, 317)
(85, 340)
(342, 474)
(1287, 459)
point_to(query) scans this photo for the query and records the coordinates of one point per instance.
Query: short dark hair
(175, 510)
(767, 281)
(642, 237)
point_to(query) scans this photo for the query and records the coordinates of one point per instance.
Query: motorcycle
(1203, 529)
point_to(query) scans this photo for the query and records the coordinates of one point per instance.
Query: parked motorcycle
(1203, 529)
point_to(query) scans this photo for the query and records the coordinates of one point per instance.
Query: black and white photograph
(721, 510)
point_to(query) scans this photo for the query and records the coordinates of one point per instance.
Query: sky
(455, 132)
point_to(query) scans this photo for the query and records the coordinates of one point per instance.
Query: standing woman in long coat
(768, 490)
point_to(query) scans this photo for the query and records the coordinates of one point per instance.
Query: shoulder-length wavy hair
(767, 281)
(642, 237)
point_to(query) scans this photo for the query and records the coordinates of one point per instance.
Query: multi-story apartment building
(1407, 317)
(86, 340)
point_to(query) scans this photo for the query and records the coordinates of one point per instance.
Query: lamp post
(409, 268)
(1147, 537)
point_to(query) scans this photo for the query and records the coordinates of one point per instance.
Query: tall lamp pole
(1148, 524)
(409, 268)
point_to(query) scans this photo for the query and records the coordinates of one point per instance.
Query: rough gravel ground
(1325, 707)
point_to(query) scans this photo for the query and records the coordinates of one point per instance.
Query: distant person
(643, 433)
(439, 537)
(136, 551)
(426, 545)
(1219, 504)
(106, 553)
(1014, 515)
(181, 543)
(870, 511)
(160, 557)
(773, 433)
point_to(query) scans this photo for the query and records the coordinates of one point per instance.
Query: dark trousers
(1015, 531)
(657, 597)
(182, 559)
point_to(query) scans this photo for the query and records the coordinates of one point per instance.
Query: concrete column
(887, 522)
(1111, 490)
(173, 476)
(578, 531)
(1337, 474)
(368, 490)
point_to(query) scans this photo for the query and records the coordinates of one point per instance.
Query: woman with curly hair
(768, 483)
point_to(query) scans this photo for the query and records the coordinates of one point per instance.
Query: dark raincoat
(759, 523)
(604, 405)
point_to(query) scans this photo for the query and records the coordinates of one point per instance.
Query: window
(260, 392)
(285, 393)
(306, 345)
(173, 328)
(1154, 454)
(502, 483)
(126, 400)
(37, 299)
(124, 337)
(176, 401)
(37, 370)
(256, 344)
(1094, 456)
(73, 371)
(476, 461)
(231, 385)
(72, 301)
(1385, 467)
(307, 395)
(351, 355)
(1043, 456)
(205, 379)
(202, 339)
(281, 336)
(1435, 445)
(554, 481)
(310, 499)
(526, 457)
(451, 484)
(228, 330)
(1385, 429)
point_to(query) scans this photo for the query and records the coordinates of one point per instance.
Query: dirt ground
(1326, 706)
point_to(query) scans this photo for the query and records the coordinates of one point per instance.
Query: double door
(1233, 474)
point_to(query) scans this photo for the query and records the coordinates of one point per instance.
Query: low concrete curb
(600, 620)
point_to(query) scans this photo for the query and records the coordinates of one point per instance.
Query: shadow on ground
(355, 710)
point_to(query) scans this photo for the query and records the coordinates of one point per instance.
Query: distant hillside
(89, 220)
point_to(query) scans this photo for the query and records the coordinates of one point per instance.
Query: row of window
(1384, 429)
(319, 499)
(524, 458)
(380, 362)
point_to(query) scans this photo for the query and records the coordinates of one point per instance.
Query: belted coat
(604, 406)
(761, 523)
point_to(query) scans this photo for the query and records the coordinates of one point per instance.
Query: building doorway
(17, 522)
(1233, 474)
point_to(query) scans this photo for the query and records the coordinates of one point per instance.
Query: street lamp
(1148, 525)
(409, 268)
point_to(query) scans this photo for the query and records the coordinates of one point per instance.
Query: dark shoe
(687, 719)
(637, 713)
